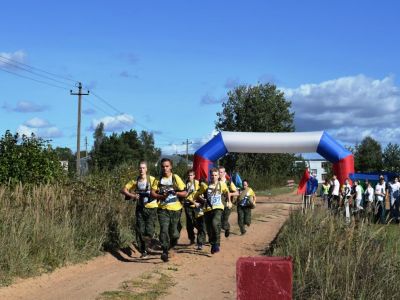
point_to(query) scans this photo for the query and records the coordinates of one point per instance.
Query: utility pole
(187, 150)
(86, 154)
(78, 135)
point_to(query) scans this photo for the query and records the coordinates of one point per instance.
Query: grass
(149, 286)
(335, 261)
(276, 191)
(48, 226)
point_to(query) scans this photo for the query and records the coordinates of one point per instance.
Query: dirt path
(197, 275)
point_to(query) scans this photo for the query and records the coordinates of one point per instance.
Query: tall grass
(47, 226)
(335, 261)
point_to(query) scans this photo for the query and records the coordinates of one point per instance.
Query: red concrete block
(264, 278)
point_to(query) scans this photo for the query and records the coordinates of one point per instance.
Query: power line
(29, 68)
(33, 79)
(14, 65)
(38, 69)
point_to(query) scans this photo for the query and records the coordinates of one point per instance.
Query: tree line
(258, 108)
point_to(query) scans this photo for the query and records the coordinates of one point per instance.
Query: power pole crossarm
(78, 135)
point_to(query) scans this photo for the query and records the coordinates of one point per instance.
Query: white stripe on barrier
(277, 142)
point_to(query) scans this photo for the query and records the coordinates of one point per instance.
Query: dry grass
(336, 261)
(47, 226)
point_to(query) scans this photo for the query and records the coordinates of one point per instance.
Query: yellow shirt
(172, 202)
(214, 195)
(247, 193)
(232, 186)
(131, 185)
(192, 188)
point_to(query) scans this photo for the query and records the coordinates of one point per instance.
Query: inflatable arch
(279, 142)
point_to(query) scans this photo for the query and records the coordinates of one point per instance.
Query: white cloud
(10, 60)
(349, 108)
(28, 106)
(193, 147)
(37, 122)
(46, 133)
(114, 123)
(50, 132)
(25, 130)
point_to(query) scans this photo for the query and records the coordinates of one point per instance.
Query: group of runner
(363, 199)
(207, 207)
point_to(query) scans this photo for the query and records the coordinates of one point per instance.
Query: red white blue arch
(274, 142)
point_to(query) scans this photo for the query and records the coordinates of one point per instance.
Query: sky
(166, 66)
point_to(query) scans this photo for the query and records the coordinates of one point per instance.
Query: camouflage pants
(145, 225)
(190, 222)
(213, 224)
(244, 217)
(201, 230)
(169, 232)
(225, 218)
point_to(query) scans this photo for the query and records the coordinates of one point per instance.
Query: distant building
(317, 167)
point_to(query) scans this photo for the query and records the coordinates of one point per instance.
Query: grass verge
(335, 261)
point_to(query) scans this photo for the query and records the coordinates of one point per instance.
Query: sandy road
(197, 275)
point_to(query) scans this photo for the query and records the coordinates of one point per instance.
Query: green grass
(275, 191)
(149, 286)
(334, 261)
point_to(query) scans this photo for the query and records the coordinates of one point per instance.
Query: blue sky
(166, 66)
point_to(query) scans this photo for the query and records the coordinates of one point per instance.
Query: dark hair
(190, 171)
(165, 160)
(245, 180)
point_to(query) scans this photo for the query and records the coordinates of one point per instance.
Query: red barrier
(264, 278)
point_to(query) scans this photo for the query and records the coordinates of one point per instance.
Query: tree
(128, 147)
(28, 160)
(391, 158)
(260, 108)
(368, 156)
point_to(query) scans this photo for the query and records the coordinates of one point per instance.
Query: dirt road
(195, 275)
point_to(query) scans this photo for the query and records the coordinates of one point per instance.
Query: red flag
(303, 182)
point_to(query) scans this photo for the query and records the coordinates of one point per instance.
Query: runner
(192, 186)
(246, 202)
(226, 201)
(214, 207)
(146, 207)
(167, 189)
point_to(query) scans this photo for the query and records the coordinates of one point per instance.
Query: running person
(192, 186)
(246, 201)
(146, 207)
(214, 207)
(226, 200)
(167, 190)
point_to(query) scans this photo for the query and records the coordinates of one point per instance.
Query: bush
(28, 160)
